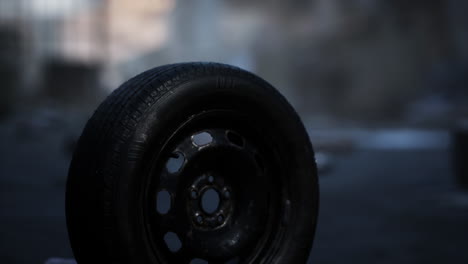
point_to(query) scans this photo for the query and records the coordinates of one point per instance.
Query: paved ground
(376, 206)
(392, 207)
(33, 168)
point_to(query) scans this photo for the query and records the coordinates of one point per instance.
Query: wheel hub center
(210, 204)
(210, 201)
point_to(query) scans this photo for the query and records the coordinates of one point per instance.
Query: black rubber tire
(460, 155)
(102, 207)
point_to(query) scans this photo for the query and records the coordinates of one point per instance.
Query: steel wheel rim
(232, 233)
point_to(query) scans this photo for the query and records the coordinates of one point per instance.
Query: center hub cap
(210, 202)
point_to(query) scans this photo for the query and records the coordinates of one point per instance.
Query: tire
(141, 145)
(460, 155)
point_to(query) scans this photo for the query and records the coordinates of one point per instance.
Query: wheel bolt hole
(220, 218)
(227, 194)
(193, 194)
(199, 219)
(211, 179)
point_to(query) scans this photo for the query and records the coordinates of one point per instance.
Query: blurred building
(357, 60)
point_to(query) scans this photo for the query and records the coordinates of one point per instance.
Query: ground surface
(392, 207)
(376, 206)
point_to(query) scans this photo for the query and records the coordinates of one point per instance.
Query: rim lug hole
(220, 218)
(193, 194)
(227, 194)
(210, 179)
(199, 219)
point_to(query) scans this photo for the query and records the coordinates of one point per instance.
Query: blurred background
(381, 85)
